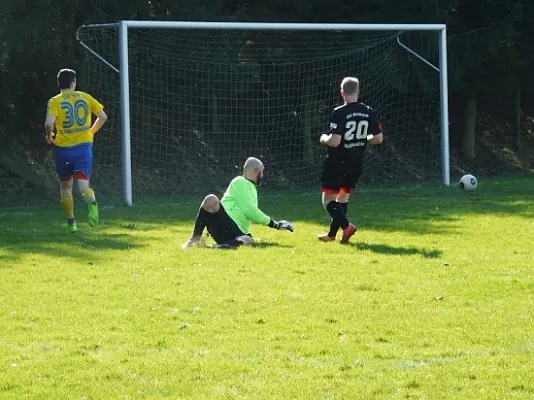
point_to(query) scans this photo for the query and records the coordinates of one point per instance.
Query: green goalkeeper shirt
(241, 203)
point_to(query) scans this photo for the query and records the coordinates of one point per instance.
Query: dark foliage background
(490, 82)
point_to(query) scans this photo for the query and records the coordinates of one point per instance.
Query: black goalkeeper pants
(221, 227)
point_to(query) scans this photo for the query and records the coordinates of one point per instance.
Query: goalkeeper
(228, 219)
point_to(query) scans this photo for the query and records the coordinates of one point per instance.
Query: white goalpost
(195, 97)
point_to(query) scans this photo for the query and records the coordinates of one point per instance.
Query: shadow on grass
(399, 251)
(42, 230)
(265, 245)
(440, 214)
(81, 245)
(417, 211)
(109, 242)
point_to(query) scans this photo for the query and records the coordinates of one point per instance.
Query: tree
(483, 32)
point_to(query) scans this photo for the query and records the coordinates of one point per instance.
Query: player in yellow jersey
(68, 127)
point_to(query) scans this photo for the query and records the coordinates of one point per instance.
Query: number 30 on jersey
(76, 113)
(356, 129)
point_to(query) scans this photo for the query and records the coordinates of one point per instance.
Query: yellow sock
(88, 195)
(67, 203)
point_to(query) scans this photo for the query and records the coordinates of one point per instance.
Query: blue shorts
(76, 160)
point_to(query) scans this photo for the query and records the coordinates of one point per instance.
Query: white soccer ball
(468, 183)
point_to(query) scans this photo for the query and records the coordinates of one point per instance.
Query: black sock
(335, 210)
(334, 227)
(201, 222)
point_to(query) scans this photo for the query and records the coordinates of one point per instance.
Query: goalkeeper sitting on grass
(228, 219)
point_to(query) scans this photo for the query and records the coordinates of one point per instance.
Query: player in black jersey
(352, 126)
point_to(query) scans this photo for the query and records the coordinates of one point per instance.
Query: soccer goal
(189, 101)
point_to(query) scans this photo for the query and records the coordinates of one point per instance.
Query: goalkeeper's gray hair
(350, 85)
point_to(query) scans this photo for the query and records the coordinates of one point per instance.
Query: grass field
(433, 300)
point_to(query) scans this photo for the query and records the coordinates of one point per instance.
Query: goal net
(202, 101)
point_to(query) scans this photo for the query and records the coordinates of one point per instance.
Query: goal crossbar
(124, 26)
(281, 26)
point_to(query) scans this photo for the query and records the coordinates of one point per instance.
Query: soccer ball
(468, 183)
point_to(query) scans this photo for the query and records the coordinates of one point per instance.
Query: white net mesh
(203, 100)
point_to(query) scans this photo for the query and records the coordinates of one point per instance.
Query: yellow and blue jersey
(73, 110)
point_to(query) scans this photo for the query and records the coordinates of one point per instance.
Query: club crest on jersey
(333, 125)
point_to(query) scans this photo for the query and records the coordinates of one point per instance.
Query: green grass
(433, 300)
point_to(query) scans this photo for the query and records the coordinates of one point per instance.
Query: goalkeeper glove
(281, 225)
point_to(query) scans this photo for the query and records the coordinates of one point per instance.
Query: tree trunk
(307, 125)
(469, 123)
(215, 123)
(517, 115)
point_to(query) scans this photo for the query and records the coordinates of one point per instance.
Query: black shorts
(222, 228)
(339, 177)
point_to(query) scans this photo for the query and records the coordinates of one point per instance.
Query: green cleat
(93, 213)
(72, 227)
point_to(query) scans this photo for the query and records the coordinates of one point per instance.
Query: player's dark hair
(351, 86)
(65, 77)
